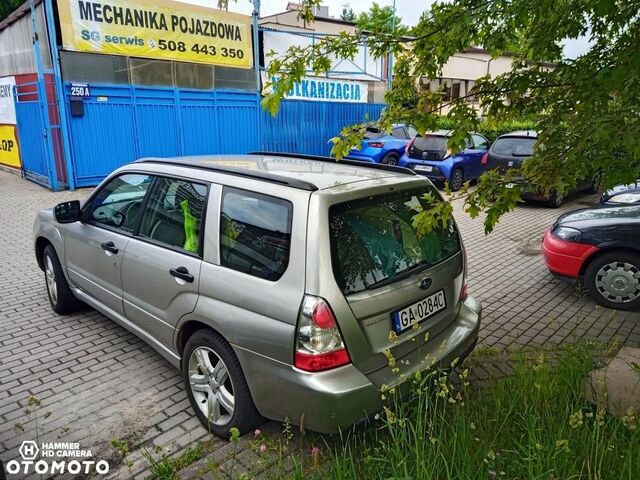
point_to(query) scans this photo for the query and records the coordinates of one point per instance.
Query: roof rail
(240, 172)
(344, 161)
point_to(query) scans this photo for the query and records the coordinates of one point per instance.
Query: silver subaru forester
(279, 284)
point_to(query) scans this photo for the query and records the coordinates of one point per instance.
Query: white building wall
(471, 66)
(285, 30)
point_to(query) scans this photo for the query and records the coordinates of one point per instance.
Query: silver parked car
(277, 283)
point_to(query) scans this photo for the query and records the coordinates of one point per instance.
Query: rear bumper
(440, 172)
(534, 196)
(565, 259)
(330, 401)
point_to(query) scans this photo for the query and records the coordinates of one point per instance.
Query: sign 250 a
(80, 90)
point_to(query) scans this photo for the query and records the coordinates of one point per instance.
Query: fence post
(256, 65)
(62, 108)
(42, 100)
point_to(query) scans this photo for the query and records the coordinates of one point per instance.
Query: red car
(598, 246)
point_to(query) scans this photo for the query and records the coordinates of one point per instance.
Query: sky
(408, 10)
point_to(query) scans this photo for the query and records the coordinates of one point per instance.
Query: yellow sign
(157, 29)
(9, 151)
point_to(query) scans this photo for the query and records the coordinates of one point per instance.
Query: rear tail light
(376, 144)
(319, 344)
(409, 145)
(485, 159)
(464, 290)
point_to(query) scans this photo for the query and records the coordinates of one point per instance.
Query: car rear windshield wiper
(521, 154)
(399, 275)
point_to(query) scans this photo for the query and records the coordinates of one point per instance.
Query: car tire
(216, 386)
(456, 180)
(60, 295)
(555, 200)
(596, 181)
(610, 279)
(390, 159)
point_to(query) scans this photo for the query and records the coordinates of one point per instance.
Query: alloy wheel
(50, 276)
(457, 180)
(618, 282)
(211, 385)
(390, 160)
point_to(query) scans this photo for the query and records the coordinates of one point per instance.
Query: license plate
(404, 319)
(423, 168)
(510, 163)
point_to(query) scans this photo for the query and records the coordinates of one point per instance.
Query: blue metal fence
(307, 126)
(123, 123)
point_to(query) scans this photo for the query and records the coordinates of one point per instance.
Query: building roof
(18, 13)
(316, 18)
(507, 54)
(297, 171)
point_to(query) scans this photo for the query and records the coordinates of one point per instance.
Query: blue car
(429, 155)
(379, 146)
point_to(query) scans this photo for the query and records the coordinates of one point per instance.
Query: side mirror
(68, 212)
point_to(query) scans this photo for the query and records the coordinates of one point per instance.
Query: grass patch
(162, 466)
(534, 425)
(166, 468)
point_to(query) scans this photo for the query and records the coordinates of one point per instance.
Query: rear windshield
(374, 243)
(514, 146)
(432, 143)
(373, 133)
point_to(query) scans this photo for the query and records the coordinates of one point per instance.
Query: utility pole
(393, 29)
(256, 40)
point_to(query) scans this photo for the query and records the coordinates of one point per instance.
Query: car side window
(411, 130)
(255, 233)
(174, 214)
(118, 203)
(399, 132)
(480, 142)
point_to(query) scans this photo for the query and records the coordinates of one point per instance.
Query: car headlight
(568, 234)
(625, 198)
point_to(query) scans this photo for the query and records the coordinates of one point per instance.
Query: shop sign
(160, 29)
(327, 90)
(9, 151)
(7, 106)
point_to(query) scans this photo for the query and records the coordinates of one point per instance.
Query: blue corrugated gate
(33, 135)
(123, 123)
(306, 126)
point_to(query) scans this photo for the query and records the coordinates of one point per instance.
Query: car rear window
(431, 142)
(372, 133)
(373, 240)
(514, 146)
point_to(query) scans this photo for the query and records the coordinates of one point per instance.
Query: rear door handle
(109, 247)
(182, 273)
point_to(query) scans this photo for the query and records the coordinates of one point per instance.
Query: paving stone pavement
(97, 382)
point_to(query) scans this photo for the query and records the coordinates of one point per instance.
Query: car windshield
(432, 143)
(514, 146)
(374, 242)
